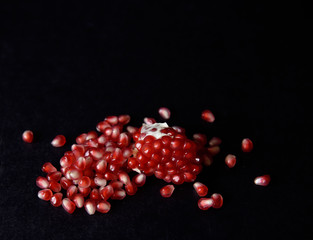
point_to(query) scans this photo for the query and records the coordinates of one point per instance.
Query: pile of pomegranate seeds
(98, 166)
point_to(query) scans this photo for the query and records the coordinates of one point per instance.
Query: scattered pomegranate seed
(215, 141)
(205, 203)
(214, 150)
(84, 182)
(262, 180)
(113, 120)
(42, 182)
(55, 186)
(149, 120)
(208, 116)
(106, 192)
(167, 191)
(246, 145)
(90, 206)
(139, 179)
(28, 136)
(217, 200)
(119, 194)
(68, 205)
(65, 183)
(48, 168)
(230, 160)
(71, 191)
(56, 199)
(201, 189)
(103, 207)
(45, 194)
(58, 141)
(165, 113)
(124, 178)
(78, 199)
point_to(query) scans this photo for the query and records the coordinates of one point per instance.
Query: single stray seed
(205, 203)
(167, 191)
(200, 188)
(208, 116)
(58, 141)
(246, 145)
(230, 160)
(28, 136)
(262, 180)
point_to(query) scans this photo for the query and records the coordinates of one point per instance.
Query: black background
(64, 67)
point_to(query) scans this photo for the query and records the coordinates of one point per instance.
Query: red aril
(167, 191)
(48, 168)
(246, 145)
(262, 180)
(56, 176)
(118, 194)
(84, 182)
(84, 191)
(103, 207)
(55, 186)
(215, 141)
(45, 194)
(78, 199)
(99, 181)
(131, 188)
(205, 203)
(42, 182)
(58, 141)
(207, 116)
(71, 191)
(139, 179)
(165, 113)
(230, 160)
(65, 183)
(106, 192)
(95, 195)
(217, 200)
(28, 136)
(90, 206)
(68, 205)
(56, 199)
(201, 189)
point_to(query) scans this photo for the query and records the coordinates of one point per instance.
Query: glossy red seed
(149, 120)
(230, 160)
(91, 135)
(215, 141)
(110, 176)
(124, 119)
(55, 186)
(101, 166)
(131, 129)
(58, 141)
(189, 177)
(118, 194)
(167, 191)
(217, 200)
(56, 176)
(96, 153)
(90, 206)
(80, 163)
(116, 184)
(101, 126)
(42, 182)
(94, 194)
(262, 180)
(214, 150)
(106, 192)
(103, 207)
(99, 181)
(201, 189)
(205, 203)
(28, 136)
(48, 168)
(165, 113)
(246, 145)
(81, 138)
(123, 140)
(56, 199)
(207, 116)
(74, 174)
(115, 132)
(45, 194)
(131, 188)
(71, 191)
(84, 191)
(139, 179)
(113, 120)
(65, 183)
(84, 182)
(68, 205)
(66, 161)
(124, 178)
(78, 199)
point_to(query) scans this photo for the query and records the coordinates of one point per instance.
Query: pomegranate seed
(28, 136)
(124, 178)
(106, 192)
(113, 120)
(101, 166)
(131, 129)
(116, 184)
(103, 207)
(78, 199)
(71, 191)
(214, 150)
(91, 135)
(42, 182)
(124, 119)
(110, 176)
(119, 194)
(95, 195)
(167, 191)
(74, 174)
(48, 168)
(208, 116)
(217, 200)
(246, 145)
(100, 181)
(65, 183)
(200, 138)
(58, 141)
(262, 180)
(201, 189)
(165, 113)
(81, 138)
(45, 194)
(230, 160)
(55, 186)
(68, 205)
(205, 203)
(101, 126)
(149, 120)
(56, 199)
(115, 132)
(84, 191)
(123, 140)
(215, 141)
(179, 129)
(56, 176)
(131, 188)
(84, 182)
(80, 163)
(90, 206)
(139, 179)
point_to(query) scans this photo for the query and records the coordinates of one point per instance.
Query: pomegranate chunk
(262, 180)
(246, 145)
(28, 136)
(68, 205)
(230, 160)
(205, 203)
(201, 189)
(167, 191)
(58, 141)
(207, 116)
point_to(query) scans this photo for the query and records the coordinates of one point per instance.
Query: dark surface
(65, 67)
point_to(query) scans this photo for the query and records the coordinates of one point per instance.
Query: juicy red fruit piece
(45, 194)
(230, 160)
(42, 182)
(201, 189)
(205, 203)
(167, 191)
(165, 113)
(58, 141)
(217, 200)
(48, 168)
(207, 116)
(56, 199)
(246, 145)
(262, 180)
(68, 205)
(28, 136)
